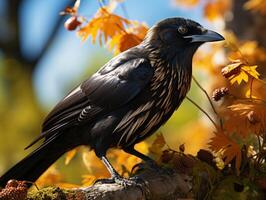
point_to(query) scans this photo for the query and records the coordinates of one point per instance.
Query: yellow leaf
(239, 71)
(70, 155)
(251, 70)
(239, 78)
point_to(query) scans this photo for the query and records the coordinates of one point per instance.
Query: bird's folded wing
(111, 87)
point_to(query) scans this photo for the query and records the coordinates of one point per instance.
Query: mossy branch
(157, 186)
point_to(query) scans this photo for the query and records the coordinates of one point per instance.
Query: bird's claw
(132, 181)
(120, 181)
(104, 181)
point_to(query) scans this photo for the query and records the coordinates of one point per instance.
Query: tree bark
(153, 185)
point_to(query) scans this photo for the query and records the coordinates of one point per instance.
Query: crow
(123, 103)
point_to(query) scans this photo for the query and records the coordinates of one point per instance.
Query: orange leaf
(104, 25)
(230, 149)
(130, 38)
(244, 118)
(214, 10)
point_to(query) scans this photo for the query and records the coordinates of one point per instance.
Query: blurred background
(40, 62)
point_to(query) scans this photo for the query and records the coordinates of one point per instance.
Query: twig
(205, 92)
(251, 89)
(202, 110)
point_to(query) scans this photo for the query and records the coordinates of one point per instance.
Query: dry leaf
(230, 149)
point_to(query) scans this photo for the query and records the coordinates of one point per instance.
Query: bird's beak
(207, 36)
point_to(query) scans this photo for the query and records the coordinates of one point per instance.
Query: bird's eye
(182, 29)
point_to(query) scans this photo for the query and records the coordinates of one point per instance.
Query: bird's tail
(33, 165)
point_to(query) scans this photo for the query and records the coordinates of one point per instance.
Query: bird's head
(179, 36)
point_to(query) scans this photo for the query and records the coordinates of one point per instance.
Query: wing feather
(114, 85)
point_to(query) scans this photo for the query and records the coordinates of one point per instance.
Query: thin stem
(205, 92)
(251, 89)
(202, 110)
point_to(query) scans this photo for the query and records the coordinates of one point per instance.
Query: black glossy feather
(114, 85)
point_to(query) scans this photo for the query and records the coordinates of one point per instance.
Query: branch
(157, 186)
(201, 109)
(206, 93)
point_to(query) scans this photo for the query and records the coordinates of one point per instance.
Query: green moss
(55, 193)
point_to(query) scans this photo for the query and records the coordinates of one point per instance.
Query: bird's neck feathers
(180, 59)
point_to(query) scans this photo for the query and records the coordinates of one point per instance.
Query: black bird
(124, 102)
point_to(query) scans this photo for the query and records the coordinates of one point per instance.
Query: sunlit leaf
(103, 25)
(129, 38)
(239, 71)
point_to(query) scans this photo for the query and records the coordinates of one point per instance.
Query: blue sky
(68, 56)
